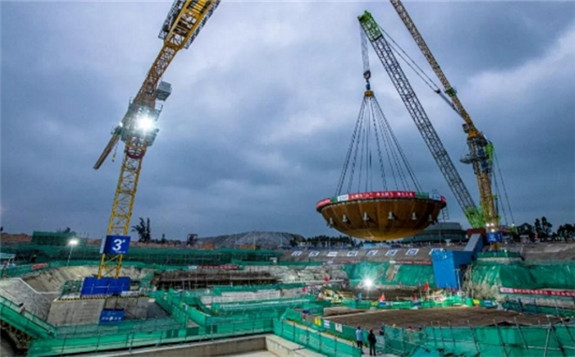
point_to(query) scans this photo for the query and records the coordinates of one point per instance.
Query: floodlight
(72, 243)
(368, 283)
(145, 124)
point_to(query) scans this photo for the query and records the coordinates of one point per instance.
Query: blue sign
(116, 244)
(494, 237)
(109, 315)
(105, 286)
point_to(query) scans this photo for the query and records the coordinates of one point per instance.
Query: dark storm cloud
(263, 108)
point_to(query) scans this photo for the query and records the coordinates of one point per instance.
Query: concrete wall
(135, 307)
(87, 311)
(21, 293)
(285, 348)
(277, 346)
(230, 346)
(75, 311)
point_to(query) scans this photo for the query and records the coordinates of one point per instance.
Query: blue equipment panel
(105, 286)
(447, 268)
(494, 237)
(116, 244)
(111, 315)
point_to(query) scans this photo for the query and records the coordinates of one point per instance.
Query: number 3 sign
(117, 244)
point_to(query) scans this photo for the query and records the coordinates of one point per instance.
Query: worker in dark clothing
(371, 340)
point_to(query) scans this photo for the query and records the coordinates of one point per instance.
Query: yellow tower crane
(480, 149)
(138, 127)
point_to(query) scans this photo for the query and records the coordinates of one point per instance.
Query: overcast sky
(263, 107)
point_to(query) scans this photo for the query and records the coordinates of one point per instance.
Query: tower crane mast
(419, 116)
(137, 128)
(480, 149)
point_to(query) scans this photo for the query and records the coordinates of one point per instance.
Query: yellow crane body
(183, 23)
(479, 147)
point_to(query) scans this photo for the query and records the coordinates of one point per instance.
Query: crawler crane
(480, 148)
(138, 127)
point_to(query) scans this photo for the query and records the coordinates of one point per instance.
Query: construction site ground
(416, 318)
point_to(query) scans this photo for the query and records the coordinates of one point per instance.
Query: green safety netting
(187, 322)
(549, 275)
(165, 256)
(218, 290)
(390, 274)
(440, 301)
(521, 341)
(324, 343)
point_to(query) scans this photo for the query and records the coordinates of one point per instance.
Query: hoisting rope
(506, 204)
(359, 153)
(358, 170)
(411, 63)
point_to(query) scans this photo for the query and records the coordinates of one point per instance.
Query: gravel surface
(454, 316)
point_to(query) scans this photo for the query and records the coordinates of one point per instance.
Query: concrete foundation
(212, 348)
(285, 348)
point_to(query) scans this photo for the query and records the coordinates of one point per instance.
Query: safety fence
(185, 307)
(324, 343)
(533, 341)
(543, 340)
(334, 331)
(529, 308)
(434, 302)
(218, 290)
(189, 320)
(20, 270)
(296, 319)
(70, 344)
(185, 324)
(290, 263)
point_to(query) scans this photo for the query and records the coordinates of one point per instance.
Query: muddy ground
(450, 316)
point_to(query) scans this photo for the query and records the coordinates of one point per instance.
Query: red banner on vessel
(378, 194)
(39, 266)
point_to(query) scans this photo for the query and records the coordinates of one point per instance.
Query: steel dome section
(381, 215)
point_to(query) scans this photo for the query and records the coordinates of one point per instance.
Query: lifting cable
(506, 197)
(496, 188)
(350, 151)
(411, 63)
(359, 157)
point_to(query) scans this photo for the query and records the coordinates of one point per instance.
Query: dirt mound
(451, 316)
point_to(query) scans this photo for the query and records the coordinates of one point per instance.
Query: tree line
(543, 229)
(540, 229)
